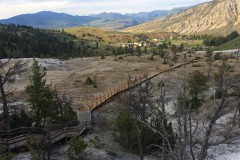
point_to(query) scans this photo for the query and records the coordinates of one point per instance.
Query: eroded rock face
(218, 16)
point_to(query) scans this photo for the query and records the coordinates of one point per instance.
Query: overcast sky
(9, 8)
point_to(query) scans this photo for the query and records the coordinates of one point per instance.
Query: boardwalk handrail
(22, 130)
(50, 135)
(104, 97)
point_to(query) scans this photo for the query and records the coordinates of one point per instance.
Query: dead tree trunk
(6, 118)
(7, 73)
(205, 143)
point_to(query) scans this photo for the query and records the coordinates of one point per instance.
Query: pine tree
(41, 97)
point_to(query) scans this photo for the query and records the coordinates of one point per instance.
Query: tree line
(19, 41)
(217, 41)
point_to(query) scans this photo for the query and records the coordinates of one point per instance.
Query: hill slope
(147, 16)
(215, 17)
(141, 16)
(47, 19)
(18, 41)
(113, 37)
(233, 44)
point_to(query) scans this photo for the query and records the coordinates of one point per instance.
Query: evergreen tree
(41, 97)
(181, 47)
(138, 50)
(174, 48)
(197, 85)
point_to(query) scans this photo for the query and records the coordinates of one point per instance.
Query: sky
(10, 8)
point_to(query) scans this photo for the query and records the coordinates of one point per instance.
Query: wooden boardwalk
(97, 101)
(20, 137)
(23, 136)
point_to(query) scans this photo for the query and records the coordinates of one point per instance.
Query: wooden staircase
(20, 137)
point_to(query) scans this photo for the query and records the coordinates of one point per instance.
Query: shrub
(151, 58)
(111, 153)
(175, 58)
(96, 142)
(89, 81)
(217, 56)
(102, 57)
(164, 62)
(21, 119)
(5, 156)
(69, 115)
(197, 58)
(76, 150)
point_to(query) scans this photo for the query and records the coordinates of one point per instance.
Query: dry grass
(70, 76)
(114, 37)
(187, 43)
(106, 36)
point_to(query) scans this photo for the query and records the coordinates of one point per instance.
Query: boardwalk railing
(20, 137)
(137, 80)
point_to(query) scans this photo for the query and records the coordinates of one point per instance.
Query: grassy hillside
(112, 37)
(233, 44)
(188, 43)
(113, 24)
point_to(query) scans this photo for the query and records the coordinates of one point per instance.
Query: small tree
(141, 124)
(174, 49)
(197, 85)
(64, 103)
(217, 56)
(94, 81)
(76, 150)
(41, 97)
(181, 47)
(138, 50)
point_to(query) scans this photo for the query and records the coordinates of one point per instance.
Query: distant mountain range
(110, 21)
(47, 20)
(217, 17)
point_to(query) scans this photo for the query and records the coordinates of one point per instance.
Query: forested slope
(18, 41)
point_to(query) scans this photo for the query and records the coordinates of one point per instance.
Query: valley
(69, 76)
(120, 80)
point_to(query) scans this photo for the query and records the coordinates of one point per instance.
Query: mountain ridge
(48, 19)
(218, 17)
(110, 21)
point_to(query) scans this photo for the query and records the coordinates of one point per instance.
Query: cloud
(9, 8)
